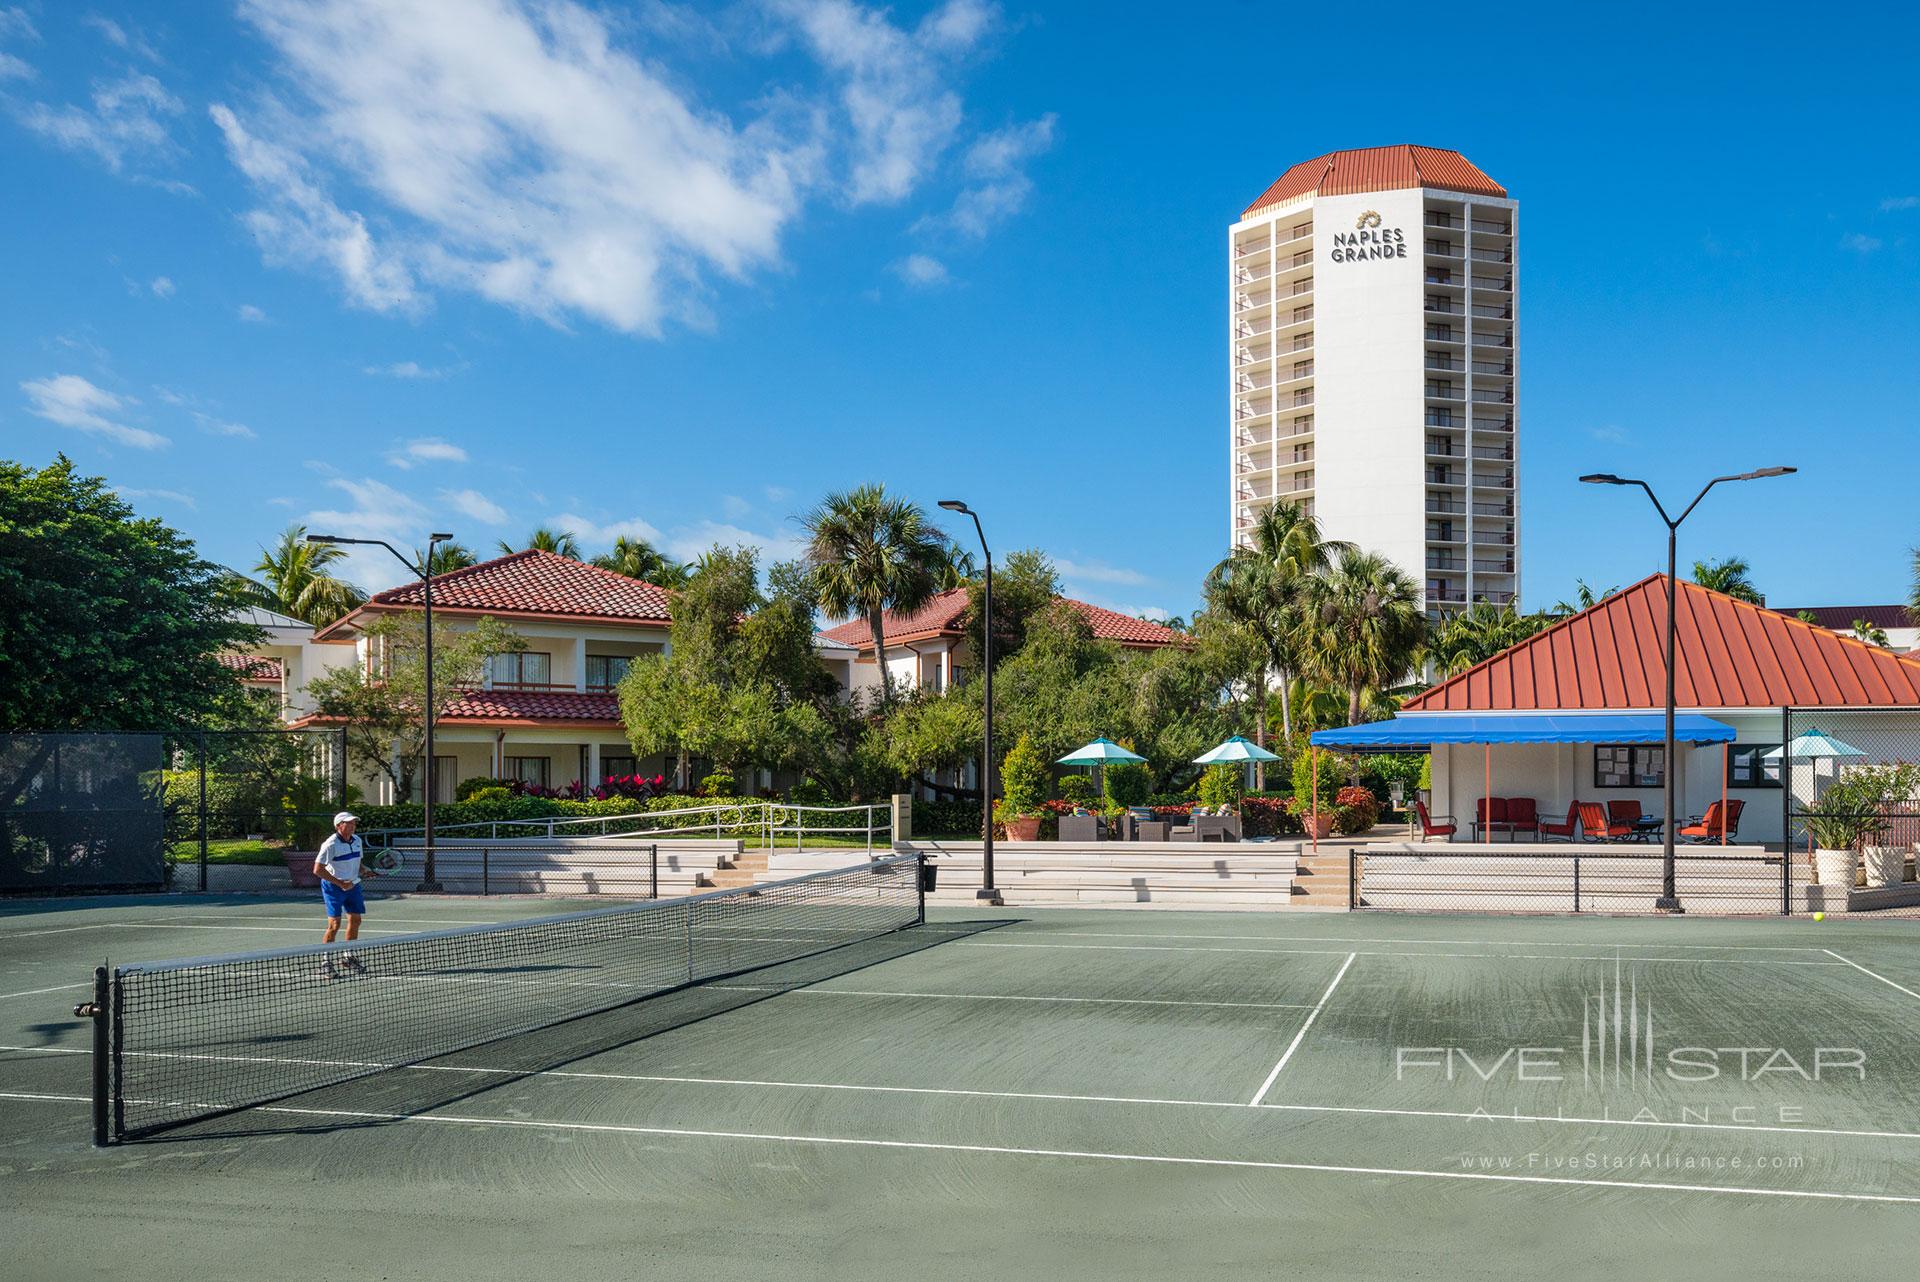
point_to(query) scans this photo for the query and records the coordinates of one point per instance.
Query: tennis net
(186, 1040)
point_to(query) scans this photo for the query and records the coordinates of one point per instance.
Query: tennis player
(339, 867)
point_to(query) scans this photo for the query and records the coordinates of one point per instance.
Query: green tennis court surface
(1035, 1093)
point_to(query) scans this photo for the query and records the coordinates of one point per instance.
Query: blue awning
(1423, 730)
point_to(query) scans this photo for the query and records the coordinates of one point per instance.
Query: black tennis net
(186, 1040)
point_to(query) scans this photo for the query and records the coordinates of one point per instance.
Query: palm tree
(1477, 634)
(870, 554)
(1913, 592)
(639, 559)
(957, 567)
(448, 557)
(1584, 598)
(1729, 576)
(1363, 626)
(559, 542)
(1261, 586)
(295, 580)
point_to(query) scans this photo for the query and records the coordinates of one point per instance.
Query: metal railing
(763, 823)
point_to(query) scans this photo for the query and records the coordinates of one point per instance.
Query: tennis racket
(388, 862)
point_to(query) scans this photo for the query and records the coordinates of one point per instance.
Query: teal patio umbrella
(1097, 754)
(1238, 750)
(1812, 745)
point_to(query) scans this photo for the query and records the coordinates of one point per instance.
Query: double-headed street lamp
(1669, 900)
(427, 879)
(987, 889)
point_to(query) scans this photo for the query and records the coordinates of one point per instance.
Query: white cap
(345, 817)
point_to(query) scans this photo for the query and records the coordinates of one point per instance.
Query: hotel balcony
(1442, 307)
(1444, 475)
(1303, 397)
(1495, 598)
(1290, 428)
(1444, 506)
(1455, 535)
(1493, 284)
(1443, 392)
(1255, 248)
(1484, 397)
(1492, 311)
(1484, 337)
(1440, 218)
(1492, 481)
(1444, 278)
(1447, 250)
(1493, 424)
(1492, 567)
(1502, 508)
(1441, 595)
(1502, 368)
(1253, 382)
(1252, 327)
(1493, 538)
(1251, 304)
(1301, 288)
(1445, 561)
(1483, 225)
(1442, 361)
(1248, 275)
(1298, 343)
(1502, 452)
(1247, 355)
(1502, 254)
(1444, 334)
(1445, 418)
(1289, 325)
(1299, 236)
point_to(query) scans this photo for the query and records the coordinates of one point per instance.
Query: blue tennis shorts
(352, 900)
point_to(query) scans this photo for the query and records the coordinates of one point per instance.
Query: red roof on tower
(1608, 657)
(1348, 173)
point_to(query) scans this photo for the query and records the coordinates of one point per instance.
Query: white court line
(1336, 952)
(1864, 971)
(1050, 1096)
(1312, 1015)
(35, 992)
(1003, 997)
(1085, 1155)
(1481, 943)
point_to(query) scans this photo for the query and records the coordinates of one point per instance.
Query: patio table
(1648, 828)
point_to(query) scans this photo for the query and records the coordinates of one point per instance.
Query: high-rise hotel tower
(1371, 363)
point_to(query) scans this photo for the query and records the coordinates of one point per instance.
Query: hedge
(505, 811)
(934, 818)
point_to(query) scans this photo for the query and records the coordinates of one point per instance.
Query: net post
(653, 871)
(96, 1010)
(202, 745)
(1576, 881)
(920, 879)
(486, 870)
(1353, 878)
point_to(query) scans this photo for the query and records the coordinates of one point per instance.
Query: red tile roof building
(531, 584)
(254, 668)
(1367, 169)
(945, 615)
(1732, 655)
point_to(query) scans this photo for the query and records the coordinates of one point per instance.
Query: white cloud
(72, 401)
(921, 271)
(527, 158)
(378, 511)
(1893, 204)
(216, 427)
(126, 122)
(776, 493)
(998, 185)
(413, 370)
(251, 315)
(300, 223)
(171, 496)
(1609, 434)
(734, 506)
(161, 286)
(894, 93)
(12, 68)
(594, 534)
(132, 41)
(1099, 572)
(688, 542)
(427, 449)
(474, 504)
(15, 22)
(1859, 243)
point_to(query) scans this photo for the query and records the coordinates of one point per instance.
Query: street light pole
(1669, 900)
(988, 891)
(428, 881)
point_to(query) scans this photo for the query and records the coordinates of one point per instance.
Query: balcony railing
(1443, 249)
(1435, 535)
(1443, 392)
(1303, 343)
(1493, 398)
(1447, 596)
(1444, 449)
(1493, 538)
(1445, 506)
(1441, 307)
(1481, 481)
(1493, 567)
(1441, 278)
(1445, 476)
(1445, 563)
(1444, 362)
(1492, 311)
(1242, 251)
(1504, 453)
(1301, 315)
(1493, 425)
(1496, 598)
(1492, 367)
(1502, 283)
(1493, 509)
(1303, 398)
(1492, 228)
(1247, 302)
(1443, 220)
(1492, 255)
(1303, 287)
(1444, 418)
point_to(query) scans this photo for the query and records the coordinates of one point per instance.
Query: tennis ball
(1819, 916)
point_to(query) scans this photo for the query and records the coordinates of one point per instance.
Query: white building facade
(1372, 344)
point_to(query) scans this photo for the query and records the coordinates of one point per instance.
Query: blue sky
(677, 271)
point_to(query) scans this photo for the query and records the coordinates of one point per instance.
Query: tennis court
(1013, 1092)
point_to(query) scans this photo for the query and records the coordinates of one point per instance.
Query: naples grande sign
(1368, 240)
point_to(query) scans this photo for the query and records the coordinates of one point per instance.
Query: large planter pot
(1834, 868)
(1320, 826)
(1024, 829)
(1886, 865)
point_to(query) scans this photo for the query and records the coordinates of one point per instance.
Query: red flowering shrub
(1356, 810)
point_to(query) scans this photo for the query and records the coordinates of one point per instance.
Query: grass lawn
(232, 850)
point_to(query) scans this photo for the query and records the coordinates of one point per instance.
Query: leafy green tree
(926, 734)
(1264, 587)
(543, 539)
(1363, 625)
(958, 569)
(1732, 576)
(639, 559)
(870, 554)
(383, 710)
(1870, 633)
(447, 557)
(1024, 585)
(741, 685)
(1476, 634)
(296, 580)
(108, 620)
(1913, 589)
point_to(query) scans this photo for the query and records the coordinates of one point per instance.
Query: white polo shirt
(341, 856)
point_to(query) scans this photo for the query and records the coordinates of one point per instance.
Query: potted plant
(1317, 810)
(1850, 810)
(1023, 782)
(1887, 789)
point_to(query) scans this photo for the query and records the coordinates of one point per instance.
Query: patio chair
(1707, 827)
(1489, 817)
(1430, 829)
(1563, 831)
(1082, 828)
(1595, 826)
(1624, 812)
(1522, 816)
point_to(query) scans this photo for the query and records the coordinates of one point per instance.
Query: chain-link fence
(1575, 878)
(81, 812)
(95, 812)
(1849, 783)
